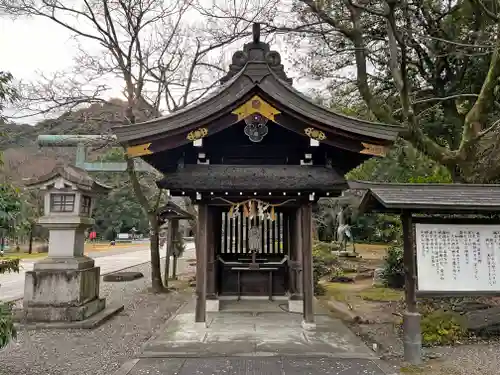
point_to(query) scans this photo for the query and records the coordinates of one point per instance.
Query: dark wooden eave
(172, 211)
(251, 179)
(428, 198)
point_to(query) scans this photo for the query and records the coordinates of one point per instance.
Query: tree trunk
(174, 269)
(156, 283)
(30, 245)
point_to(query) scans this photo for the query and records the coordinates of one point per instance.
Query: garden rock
(378, 277)
(484, 319)
(123, 276)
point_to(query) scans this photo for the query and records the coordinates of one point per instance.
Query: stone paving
(254, 366)
(257, 328)
(253, 337)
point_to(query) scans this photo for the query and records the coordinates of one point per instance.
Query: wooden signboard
(458, 257)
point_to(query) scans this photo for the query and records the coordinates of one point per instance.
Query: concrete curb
(126, 367)
(169, 319)
(312, 355)
(15, 299)
(130, 364)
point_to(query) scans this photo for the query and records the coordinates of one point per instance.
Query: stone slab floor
(253, 337)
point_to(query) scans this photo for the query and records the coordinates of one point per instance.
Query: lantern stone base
(62, 295)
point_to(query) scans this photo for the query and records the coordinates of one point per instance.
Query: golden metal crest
(197, 134)
(139, 150)
(315, 134)
(375, 150)
(256, 105)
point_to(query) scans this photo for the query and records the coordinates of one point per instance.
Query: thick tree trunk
(30, 246)
(156, 283)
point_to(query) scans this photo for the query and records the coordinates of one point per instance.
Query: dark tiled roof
(248, 178)
(173, 211)
(73, 174)
(421, 197)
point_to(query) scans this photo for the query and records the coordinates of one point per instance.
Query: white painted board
(458, 258)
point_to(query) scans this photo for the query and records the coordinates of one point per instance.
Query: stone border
(126, 367)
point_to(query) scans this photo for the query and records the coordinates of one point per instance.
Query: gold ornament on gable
(315, 134)
(256, 105)
(197, 134)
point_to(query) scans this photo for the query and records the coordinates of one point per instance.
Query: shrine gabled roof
(426, 198)
(256, 76)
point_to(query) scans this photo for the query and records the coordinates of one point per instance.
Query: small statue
(343, 231)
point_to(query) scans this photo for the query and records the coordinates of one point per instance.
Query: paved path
(252, 366)
(12, 284)
(254, 337)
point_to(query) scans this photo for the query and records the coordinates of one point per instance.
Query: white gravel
(476, 359)
(99, 351)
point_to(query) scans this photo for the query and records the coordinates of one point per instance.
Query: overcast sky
(30, 46)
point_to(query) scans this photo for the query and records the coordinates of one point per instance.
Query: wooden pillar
(412, 338)
(409, 263)
(175, 241)
(299, 284)
(201, 263)
(213, 233)
(169, 249)
(307, 266)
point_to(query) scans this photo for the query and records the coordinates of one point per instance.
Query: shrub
(442, 328)
(7, 329)
(323, 264)
(393, 273)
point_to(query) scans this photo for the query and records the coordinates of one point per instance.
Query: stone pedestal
(62, 294)
(213, 305)
(64, 287)
(296, 305)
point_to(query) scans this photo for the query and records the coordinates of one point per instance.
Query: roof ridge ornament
(256, 32)
(256, 52)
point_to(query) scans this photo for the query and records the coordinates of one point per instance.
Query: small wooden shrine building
(254, 156)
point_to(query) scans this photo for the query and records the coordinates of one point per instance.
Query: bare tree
(432, 66)
(155, 49)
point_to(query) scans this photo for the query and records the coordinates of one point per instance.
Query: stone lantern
(64, 287)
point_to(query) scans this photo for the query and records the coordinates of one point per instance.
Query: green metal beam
(81, 142)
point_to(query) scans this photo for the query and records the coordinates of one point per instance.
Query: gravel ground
(470, 359)
(99, 351)
(475, 359)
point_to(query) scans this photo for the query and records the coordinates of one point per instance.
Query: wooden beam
(201, 264)
(307, 272)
